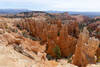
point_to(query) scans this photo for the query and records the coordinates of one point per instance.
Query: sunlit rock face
(85, 49)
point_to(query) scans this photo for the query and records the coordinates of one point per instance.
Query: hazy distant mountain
(55, 11)
(90, 14)
(12, 11)
(17, 11)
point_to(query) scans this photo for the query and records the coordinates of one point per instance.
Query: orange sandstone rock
(85, 50)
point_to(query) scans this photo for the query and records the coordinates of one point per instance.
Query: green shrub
(34, 38)
(16, 30)
(57, 51)
(25, 34)
(19, 27)
(69, 58)
(58, 33)
(90, 30)
(49, 57)
(81, 26)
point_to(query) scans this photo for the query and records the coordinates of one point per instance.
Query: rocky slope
(10, 57)
(19, 51)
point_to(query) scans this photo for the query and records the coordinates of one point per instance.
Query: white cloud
(72, 5)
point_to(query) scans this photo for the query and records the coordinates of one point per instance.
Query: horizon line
(47, 10)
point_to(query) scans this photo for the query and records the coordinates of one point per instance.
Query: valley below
(45, 39)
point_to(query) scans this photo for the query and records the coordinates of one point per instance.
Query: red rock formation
(73, 29)
(54, 34)
(66, 42)
(85, 50)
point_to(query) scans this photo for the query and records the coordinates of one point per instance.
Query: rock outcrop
(85, 50)
(17, 51)
(12, 38)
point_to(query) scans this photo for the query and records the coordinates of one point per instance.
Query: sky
(55, 5)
